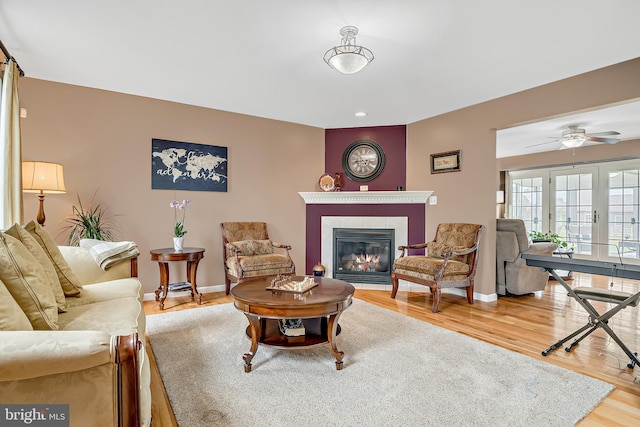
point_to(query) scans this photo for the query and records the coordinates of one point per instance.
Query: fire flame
(365, 262)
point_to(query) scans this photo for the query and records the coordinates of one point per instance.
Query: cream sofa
(95, 361)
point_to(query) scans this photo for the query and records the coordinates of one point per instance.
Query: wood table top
(255, 293)
(170, 254)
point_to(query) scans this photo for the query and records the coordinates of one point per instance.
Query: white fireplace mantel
(365, 197)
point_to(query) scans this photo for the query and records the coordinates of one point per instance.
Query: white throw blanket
(108, 253)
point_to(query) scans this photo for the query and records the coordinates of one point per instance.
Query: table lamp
(41, 178)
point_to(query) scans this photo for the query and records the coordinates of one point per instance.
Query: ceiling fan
(574, 137)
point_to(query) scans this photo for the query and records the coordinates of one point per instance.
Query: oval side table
(166, 255)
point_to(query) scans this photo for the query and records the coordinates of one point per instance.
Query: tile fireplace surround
(402, 211)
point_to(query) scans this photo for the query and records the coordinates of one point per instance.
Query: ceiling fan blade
(608, 133)
(607, 140)
(542, 143)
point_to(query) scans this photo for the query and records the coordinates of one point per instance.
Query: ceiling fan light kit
(348, 58)
(573, 137)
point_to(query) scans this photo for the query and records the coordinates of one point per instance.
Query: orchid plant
(178, 229)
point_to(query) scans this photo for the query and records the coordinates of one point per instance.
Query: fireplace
(401, 211)
(363, 255)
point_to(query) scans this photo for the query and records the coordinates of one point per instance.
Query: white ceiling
(265, 58)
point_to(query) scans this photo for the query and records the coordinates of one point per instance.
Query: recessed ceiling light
(361, 114)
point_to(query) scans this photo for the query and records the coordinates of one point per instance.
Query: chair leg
(470, 293)
(394, 286)
(437, 294)
(227, 285)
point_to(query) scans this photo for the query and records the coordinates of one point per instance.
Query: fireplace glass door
(363, 255)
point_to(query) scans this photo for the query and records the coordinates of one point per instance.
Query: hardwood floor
(525, 324)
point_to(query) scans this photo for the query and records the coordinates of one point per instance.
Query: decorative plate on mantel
(327, 182)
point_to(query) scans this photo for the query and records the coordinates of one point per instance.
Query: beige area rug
(398, 371)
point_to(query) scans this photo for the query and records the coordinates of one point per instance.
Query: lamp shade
(42, 177)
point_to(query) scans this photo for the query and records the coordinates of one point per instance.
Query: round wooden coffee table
(319, 308)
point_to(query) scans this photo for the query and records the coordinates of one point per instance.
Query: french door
(594, 208)
(574, 210)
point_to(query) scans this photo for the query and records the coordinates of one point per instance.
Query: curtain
(11, 186)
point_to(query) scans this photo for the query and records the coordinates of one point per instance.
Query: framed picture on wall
(187, 166)
(448, 161)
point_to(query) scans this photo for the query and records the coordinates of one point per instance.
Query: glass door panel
(572, 208)
(526, 201)
(623, 232)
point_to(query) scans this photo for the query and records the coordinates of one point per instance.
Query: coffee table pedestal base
(318, 331)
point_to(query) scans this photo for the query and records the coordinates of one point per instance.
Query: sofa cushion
(116, 317)
(36, 250)
(12, 318)
(428, 266)
(105, 291)
(69, 282)
(27, 282)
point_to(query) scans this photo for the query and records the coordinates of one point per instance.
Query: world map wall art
(188, 166)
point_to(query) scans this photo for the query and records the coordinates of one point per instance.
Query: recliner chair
(513, 275)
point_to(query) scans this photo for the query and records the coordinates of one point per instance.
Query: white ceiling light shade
(573, 138)
(348, 58)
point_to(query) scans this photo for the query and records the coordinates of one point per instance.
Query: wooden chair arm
(402, 248)
(287, 248)
(281, 245)
(448, 254)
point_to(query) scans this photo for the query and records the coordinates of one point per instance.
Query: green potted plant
(539, 236)
(90, 223)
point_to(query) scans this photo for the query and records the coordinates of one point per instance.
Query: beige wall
(103, 139)
(469, 195)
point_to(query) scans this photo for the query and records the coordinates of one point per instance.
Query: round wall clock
(363, 160)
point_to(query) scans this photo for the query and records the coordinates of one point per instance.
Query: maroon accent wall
(414, 211)
(392, 139)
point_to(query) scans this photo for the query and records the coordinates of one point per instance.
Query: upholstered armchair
(248, 253)
(451, 261)
(513, 275)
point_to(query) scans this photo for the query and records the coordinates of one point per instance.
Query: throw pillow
(69, 282)
(27, 282)
(436, 249)
(12, 318)
(251, 247)
(36, 250)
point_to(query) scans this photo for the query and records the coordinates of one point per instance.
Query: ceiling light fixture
(360, 114)
(348, 58)
(573, 138)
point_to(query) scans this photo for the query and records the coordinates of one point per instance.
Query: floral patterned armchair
(451, 261)
(249, 253)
